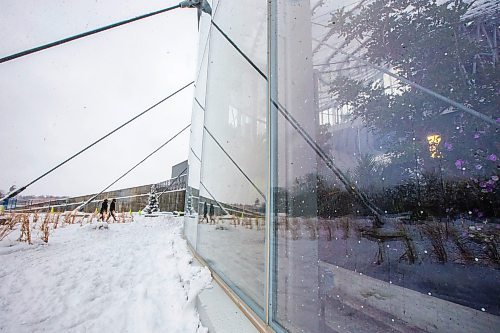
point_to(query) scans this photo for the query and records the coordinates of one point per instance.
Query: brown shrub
(36, 218)
(461, 243)
(344, 225)
(436, 234)
(56, 220)
(9, 221)
(44, 227)
(25, 229)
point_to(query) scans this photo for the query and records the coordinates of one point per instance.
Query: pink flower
(492, 157)
(459, 164)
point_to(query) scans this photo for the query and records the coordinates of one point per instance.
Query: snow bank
(133, 277)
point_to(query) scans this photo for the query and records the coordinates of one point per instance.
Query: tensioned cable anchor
(200, 5)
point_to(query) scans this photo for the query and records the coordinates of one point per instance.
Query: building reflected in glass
(350, 152)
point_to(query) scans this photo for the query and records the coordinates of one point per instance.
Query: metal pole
(272, 157)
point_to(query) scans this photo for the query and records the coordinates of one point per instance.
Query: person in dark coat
(104, 209)
(112, 209)
(205, 211)
(212, 213)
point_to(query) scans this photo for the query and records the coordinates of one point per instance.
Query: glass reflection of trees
(435, 169)
(429, 44)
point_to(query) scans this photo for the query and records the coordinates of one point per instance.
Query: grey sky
(57, 101)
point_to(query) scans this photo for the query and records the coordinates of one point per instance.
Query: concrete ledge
(219, 314)
(222, 311)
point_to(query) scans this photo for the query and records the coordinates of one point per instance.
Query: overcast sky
(55, 102)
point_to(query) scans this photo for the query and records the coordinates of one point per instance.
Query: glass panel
(233, 172)
(197, 122)
(203, 45)
(245, 22)
(194, 162)
(196, 135)
(388, 219)
(215, 6)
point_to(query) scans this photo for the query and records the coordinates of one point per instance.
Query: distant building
(179, 169)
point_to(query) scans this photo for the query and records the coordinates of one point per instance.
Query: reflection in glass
(196, 136)
(230, 204)
(397, 230)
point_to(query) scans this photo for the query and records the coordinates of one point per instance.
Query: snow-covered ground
(131, 277)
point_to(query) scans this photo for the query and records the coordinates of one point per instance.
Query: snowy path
(133, 277)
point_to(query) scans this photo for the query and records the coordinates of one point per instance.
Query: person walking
(205, 211)
(212, 213)
(104, 210)
(112, 209)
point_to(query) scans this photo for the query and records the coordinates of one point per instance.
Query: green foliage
(429, 44)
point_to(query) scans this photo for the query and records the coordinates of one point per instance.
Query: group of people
(210, 212)
(104, 210)
(105, 214)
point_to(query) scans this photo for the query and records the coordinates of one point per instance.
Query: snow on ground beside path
(132, 277)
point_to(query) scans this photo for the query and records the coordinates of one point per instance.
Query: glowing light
(434, 140)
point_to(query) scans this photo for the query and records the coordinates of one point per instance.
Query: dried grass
(81, 219)
(436, 234)
(248, 222)
(325, 225)
(73, 217)
(9, 222)
(36, 217)
(294, 227)
(311, 226)
(25, 229)
(344, 225)
(491, 250)
(282, 226)
(357, 230)
(56, 220)
(411, 253)
(44, 227)
(461, 243)
(488, 241)
(67, 218)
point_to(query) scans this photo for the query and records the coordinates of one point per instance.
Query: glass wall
(381, 153)
(226, 220)
(196, 134)
(387, 209)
